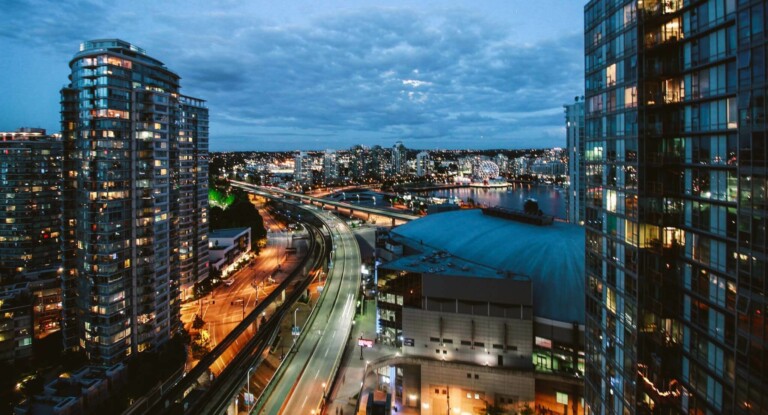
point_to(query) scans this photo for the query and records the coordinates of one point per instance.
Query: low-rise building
(82, 392)
(487, 309)
(227, 247)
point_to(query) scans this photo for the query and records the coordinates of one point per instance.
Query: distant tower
(330, 167)
(302, 169)
(135, 198)
(574, 130)
(399, 161)
(423, 164)
(503, 162)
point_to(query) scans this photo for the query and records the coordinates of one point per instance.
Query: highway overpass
(304, 383)
(397, 218)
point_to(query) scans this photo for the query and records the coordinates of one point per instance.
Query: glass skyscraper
(574, 139)
(675, 207)
(135, 200)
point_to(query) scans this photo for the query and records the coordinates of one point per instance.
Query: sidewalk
(343, 397)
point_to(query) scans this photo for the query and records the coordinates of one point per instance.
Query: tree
(198, 323)
(240, 213)
(494, 409)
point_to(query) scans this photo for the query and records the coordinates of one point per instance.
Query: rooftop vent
(530, 213)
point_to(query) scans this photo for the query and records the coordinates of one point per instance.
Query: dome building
(489, 303)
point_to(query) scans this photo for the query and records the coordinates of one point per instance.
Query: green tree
(240, 213)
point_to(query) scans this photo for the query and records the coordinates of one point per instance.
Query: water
(551, 199)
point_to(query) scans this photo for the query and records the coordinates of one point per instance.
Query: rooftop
(442, 263)
(226, 233)
(552, 256)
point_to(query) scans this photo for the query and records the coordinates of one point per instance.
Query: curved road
(300, 388)
(225, 307)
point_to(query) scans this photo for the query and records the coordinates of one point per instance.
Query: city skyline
(301, 76)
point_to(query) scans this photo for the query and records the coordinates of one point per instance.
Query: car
(229, 281)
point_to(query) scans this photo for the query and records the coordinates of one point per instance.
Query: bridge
(397, 218)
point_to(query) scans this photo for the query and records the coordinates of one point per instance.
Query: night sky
(317, 74)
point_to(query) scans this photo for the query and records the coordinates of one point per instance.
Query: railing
(230, 381)
(202, 366)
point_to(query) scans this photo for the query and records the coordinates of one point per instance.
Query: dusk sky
(309, 74)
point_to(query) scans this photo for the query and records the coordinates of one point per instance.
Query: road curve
(300, 389)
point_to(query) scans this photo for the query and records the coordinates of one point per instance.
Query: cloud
(372, 74)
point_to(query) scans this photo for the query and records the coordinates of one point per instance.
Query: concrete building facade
(456, 306)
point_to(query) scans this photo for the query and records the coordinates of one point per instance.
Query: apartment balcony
(657, 11)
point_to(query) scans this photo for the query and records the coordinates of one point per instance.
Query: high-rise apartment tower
(574, 130)
(676, 207)
(30, 206)
(135, 200)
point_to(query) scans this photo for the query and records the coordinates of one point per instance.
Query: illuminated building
(30, 222)
(330, 167)
(486, 308)
(399, 163)
(302, 168)
(15, 323)
(30, 210)
(423, 164)
(675, 207)
(135, 200)
(226, 247)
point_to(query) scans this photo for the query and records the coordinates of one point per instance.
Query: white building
(399, 161)
(302, 168)
(423, 164)
(227, 247)
(330, 167)
(574, 129)
(503, 162)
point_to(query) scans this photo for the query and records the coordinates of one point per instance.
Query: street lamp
(248, 385)
(295, 310)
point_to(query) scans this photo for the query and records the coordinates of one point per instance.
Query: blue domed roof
(552, 256)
